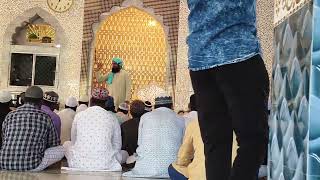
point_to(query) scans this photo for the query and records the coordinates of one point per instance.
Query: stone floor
(55, 173)
(62, 175)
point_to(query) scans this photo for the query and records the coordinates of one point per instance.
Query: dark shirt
(129, 134)
(3, 114)
(27, 133)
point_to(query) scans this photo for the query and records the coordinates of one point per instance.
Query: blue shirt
(221, 32)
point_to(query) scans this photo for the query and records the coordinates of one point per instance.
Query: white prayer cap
(162, 99)
(124, 106)
(84, 98)
(72, 102)
(5, 96)
(82, 107)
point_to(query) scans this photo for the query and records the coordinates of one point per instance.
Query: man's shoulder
(128, 123)
(124, 72)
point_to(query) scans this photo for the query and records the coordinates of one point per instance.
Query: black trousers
(233, 98)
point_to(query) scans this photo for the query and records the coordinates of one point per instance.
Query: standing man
(118, 81)
(231, 85)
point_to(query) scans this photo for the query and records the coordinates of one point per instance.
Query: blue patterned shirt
(221, 32)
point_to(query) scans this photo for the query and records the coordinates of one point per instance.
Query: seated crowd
(95, 135)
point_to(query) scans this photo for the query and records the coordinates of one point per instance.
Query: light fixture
(152, 23)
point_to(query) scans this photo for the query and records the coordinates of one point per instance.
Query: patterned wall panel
(168, 9)
(140, 41)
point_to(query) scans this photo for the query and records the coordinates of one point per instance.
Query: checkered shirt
(27, 133)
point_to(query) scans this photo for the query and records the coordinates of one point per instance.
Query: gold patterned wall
(137, 38)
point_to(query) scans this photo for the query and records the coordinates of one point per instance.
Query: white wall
(69, 27)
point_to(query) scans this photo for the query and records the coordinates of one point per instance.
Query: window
(33, 69)
(45, 70)
(21, 69)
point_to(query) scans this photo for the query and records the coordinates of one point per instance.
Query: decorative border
(284, 8)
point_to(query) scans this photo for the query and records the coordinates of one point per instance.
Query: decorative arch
(19, 22)
(27, 16)
(126, 7)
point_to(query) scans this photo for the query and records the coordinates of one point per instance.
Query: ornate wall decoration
(167, 12)
(140, 40)
(284, 8)
(68, 27)
(40, 33)
(149, 93)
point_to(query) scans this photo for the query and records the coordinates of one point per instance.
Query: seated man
(148, 106)
(67, 116)
(49, 104)
(122, 113)
(30, 141)
(190, 163)
(81, 107)
(84, 99)
(192, 114)
(159, 138)
(129, 129)
(95, 138)
(5, 101)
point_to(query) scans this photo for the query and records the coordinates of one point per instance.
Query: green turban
(111, 75)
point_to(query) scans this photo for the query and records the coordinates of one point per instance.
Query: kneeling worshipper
(5, 101)
(190, 163)
(95, 138)
(81, 107)
(148, 106)
(122, 113)
(49, 104)
(159, 138)
(84, 99)
(129, 129)
(193, 113)
(67, 116)
(30, 141)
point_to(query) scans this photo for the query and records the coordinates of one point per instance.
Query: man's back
(98, 140)
(28, 132)
(66, 117)
(159, 139)
(221, 32)
(129, 134)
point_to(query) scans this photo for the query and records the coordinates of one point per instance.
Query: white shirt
(66, 116)
(122, 117)
(95, 141)
(160, 136)
(193, 115)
